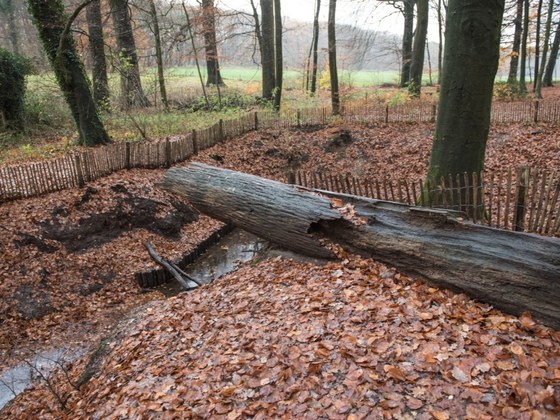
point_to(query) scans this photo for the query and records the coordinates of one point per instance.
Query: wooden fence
(74, 170)
(526, 199)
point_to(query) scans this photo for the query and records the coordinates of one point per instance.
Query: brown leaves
(343, 340)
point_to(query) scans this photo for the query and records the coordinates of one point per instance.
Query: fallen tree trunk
(510, 270)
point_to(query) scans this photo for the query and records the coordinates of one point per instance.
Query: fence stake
(548, 226)
(475, 196)
(77, 161)
(194, 142)
(459, 192)
(434, 111)
(387, 114)
(168, 159)
(256, 121)
(534, 189)
(519, 210)
(491, 198)
(539, 202)
(536, 115)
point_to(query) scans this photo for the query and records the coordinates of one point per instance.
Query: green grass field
(51, 131)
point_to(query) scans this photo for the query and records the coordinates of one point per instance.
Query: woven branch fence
(526, 199)
(76, 169)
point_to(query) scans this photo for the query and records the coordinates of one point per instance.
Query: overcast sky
(370, 14)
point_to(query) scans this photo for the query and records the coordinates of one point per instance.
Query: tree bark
(512, 271)
(132, 95)
(549, 73)
(97, 51)
(214, 76)
(278, 56)
(548, 27)
(267, 49)
(159, 54)
(333, 69)
(314, 48)
(408, 35)
(419, 47)
(523, 61)
(469, 68)
(51, 24)
(538, 43)
(440, 38)
(514, 61)
(8, 9)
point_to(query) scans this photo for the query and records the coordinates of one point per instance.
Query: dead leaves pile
(379, 150)
(344, 341)
(50, 294)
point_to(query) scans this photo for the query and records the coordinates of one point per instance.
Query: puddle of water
(15, 380)
(222, 258)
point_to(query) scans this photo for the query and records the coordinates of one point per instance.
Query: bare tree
(132, 94)
(210, 45)
(333, 70)
(97, 51)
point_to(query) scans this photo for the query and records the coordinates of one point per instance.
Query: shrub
(508, 91)
(13, 69)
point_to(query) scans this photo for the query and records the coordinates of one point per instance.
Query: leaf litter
(280, 338)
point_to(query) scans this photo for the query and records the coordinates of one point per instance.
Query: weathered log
(269, 209)
(513, 271)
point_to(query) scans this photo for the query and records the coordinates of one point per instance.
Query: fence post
(78, 162)
(194, 142)
(256, 121)
(536, 115)
(387, 114)
(434, 112)
(521, 189)
(298, 118)
(291, 177)
(127, 162)
(221, 130)
(167, 153)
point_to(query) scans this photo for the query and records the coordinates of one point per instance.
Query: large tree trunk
(549, 73)
(419, 47)
(514, 61)
(278, 56)
(132, 94)
(69, 70)
(333, 69)
(408, 35)
(97, 51)
(210, 45)
(512, 271)
(267, 48)
(469, 67)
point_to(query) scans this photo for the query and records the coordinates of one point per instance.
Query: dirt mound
(126, 212)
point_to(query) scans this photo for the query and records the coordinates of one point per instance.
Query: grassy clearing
(51, 129)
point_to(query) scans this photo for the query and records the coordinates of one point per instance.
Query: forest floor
(68, 275)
